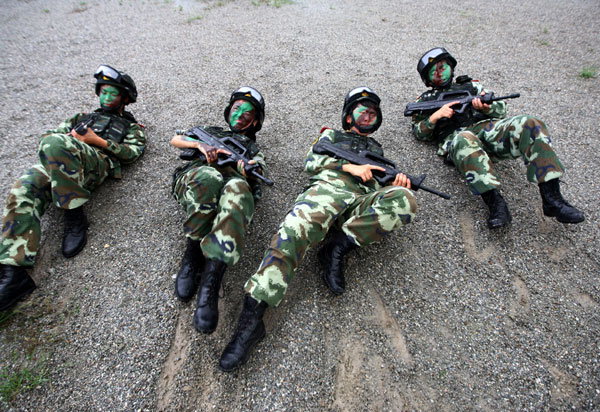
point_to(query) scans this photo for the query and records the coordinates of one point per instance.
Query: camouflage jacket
(445, 130)
(326, 168)
(249, 143)
(128, 151)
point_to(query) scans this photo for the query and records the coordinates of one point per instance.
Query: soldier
(481, 135)
(75, 158)
(219, 203)
(341, 198)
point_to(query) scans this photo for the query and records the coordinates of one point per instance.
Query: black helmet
(255, 98)
(430, 58)
(356, 95)
(107, 75)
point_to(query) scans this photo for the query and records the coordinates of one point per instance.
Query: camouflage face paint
(110, 97)
(364, 116)
(241, 115)
(440, 73)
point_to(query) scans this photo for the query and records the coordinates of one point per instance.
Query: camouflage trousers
(366, 216)
(219, 208)
(474, 148)
(68, 171)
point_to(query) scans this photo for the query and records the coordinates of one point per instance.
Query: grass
(27, 377)
(274, 3)
(588, 73)
(192, 19)
(6, 315)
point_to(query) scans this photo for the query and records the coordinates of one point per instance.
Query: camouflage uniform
(366, 212)
(219, 202)
(474, 140)
(67, 173)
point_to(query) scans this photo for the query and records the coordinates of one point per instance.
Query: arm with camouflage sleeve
(422, 128)
(315, 163)
(498, 108)
(65, 127)
(132, 146)
(259, 158)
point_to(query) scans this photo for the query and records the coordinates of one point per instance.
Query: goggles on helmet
(107, 73)
(360, 90)
(252, 92)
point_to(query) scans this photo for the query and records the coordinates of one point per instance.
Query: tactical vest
(107, 125)
(356, 143)
(445, 126)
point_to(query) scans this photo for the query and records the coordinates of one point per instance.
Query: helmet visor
(430, 56)
(107, 73)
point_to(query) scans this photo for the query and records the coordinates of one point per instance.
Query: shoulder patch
(324, 128)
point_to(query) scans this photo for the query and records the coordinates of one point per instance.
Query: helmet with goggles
(252, 96)
(108, 75)
(429, 59)
(367, 97)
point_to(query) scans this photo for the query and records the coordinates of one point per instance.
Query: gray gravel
(444, 315)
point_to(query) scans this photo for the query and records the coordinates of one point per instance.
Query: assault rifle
(82, 127)
(236, 149)
(463, 97)
(324, 146)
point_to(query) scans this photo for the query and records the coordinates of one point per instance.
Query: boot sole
(562, 220)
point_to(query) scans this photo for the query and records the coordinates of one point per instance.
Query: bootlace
(246, 325)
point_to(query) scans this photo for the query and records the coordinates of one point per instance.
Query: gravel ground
(444, 315)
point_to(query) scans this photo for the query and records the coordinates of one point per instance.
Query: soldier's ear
(348, 119)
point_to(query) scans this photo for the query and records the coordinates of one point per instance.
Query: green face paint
(364, 116)
(109, 97)
(241, 115)
(440, 73)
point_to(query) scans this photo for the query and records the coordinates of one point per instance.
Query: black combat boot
(75, 235)
(14, 284)
(499, 214)
(186, 283)
(207, 312)
(250, 330)
(331, 257)
(554, 205)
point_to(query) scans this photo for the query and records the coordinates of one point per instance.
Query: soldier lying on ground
(75, 158)
(472, 140)
(342, 198)
(219, 203)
